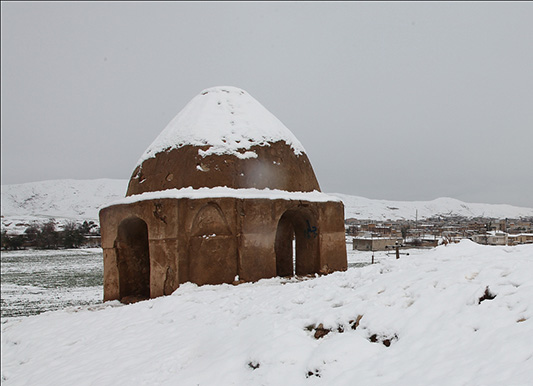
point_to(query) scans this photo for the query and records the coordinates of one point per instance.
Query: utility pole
(372, 246)
(416, 222)
(397, 248)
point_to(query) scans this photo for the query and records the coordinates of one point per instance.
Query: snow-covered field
(460, 314)
(37, 281)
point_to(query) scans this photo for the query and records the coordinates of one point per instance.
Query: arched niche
(212, 248)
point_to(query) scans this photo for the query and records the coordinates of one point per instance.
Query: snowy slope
(423, 320)
(364, 208)
(81, 199)
(62, 200)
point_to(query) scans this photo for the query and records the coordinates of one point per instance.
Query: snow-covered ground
(425, 319)
(36, 281)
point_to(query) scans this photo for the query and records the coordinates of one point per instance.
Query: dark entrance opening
(299, 224)
(133, 259)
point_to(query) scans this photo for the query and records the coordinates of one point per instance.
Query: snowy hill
(80, 200)
(63, 200)
(364, 208)
(460, 314)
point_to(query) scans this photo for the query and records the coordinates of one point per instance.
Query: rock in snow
(421, 320)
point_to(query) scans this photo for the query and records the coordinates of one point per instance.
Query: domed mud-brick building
(219, 196)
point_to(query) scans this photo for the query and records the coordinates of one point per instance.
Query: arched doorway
(133, 260)
(297, 224)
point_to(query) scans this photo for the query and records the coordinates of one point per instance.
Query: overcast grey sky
(399, 101)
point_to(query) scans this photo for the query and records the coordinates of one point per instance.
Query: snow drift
(455, 315)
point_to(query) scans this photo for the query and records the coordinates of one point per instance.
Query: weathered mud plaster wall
(220, 194)
(161, 219)
(213, 240)
(275, 167)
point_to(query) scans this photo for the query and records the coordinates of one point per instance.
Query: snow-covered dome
(224, 137)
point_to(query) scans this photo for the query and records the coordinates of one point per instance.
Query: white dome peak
(228, 120)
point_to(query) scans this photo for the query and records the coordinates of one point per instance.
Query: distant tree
(12, 242)
(32, 235)
(85, 228)
(49, 236)
(404, 229)
(73, 234)
(17, 242)
(5, 240)
(417, 242)
(42, 236)
(46, 236)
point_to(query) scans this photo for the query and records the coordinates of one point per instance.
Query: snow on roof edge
(225, 192)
